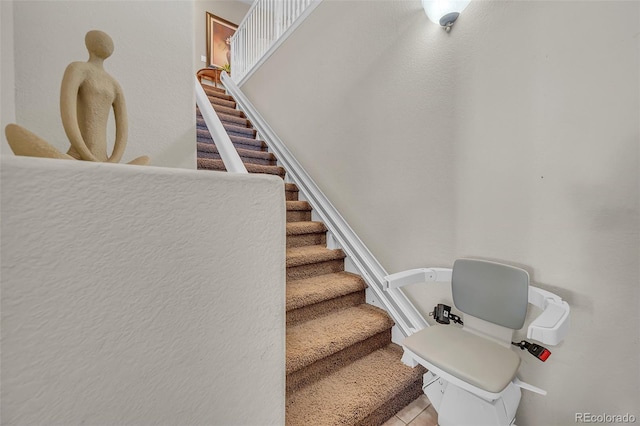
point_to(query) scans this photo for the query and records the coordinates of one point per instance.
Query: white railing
(403, 312)
(227, 151)
(265, 26)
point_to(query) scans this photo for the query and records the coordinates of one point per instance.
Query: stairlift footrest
(408, 360)
(528, 386)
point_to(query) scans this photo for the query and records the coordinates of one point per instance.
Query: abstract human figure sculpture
(87, 95)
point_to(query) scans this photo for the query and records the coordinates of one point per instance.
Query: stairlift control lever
(442, 314)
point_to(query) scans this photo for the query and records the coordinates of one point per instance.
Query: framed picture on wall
(219, 32)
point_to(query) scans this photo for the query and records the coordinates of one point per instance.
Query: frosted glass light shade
(444, 12)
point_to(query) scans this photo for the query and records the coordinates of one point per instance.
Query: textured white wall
(231, 10)
(140, 295)
(152, 62)
(7, 78)
(514, 137)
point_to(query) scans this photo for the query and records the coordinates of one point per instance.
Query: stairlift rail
(227, 151)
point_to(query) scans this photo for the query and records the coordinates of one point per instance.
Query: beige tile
(428, 417)
(412, 410)
(394, 421)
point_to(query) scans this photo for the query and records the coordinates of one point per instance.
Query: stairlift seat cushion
(471, 358)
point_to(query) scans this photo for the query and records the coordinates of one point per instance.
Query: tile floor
(419, 413)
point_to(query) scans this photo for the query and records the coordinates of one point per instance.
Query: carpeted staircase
(342, 368)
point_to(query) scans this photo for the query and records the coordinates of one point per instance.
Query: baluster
(270, 21)
(266, 23)
(260, 25)
(253, 37)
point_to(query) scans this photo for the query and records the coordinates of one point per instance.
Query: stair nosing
(307, 255)
(263, 155)
(305, 227)
(298, 206)
(312, 290)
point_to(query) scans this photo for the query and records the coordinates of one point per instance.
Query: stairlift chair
(472, 370)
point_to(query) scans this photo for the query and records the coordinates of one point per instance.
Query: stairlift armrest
(416, 276)
(552, 325)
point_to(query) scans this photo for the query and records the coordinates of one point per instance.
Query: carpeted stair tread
(307, 227)
(239, 130)
(297, 256)
(224, 118)
(291, 192)
(322, 337)
(249, 160)
(263, 155)
(248, 141)
(212, 89)
(290, 187)
(219, 94)
(298, 211)
(356, 393)
(317, 289)
(212, 164)
(305, 232)
(204, 136)
(215, 101)
(209, 141)
(298, 205)
(229, 111)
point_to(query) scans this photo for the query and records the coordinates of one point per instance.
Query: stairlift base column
(456, 406)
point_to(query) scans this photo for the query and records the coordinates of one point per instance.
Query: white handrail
(227, 151)
(405, 315)
(265, 26)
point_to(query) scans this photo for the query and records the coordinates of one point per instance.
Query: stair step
(229, 111)
(212, 89)
(322, 337)
(232, 130)
(368, 391)
(319, 347)
(215, 101)
(306, 233)
(244, 132)
(309, 291)
(211, 164)
(210, 147)
(298, 256)
(323, 294)
(291, 191)
(207, 140)
(310, 261)
(258, 144)
(203, 136)
(209, 150)
(298, 211)
(221, 94)
(224, 118)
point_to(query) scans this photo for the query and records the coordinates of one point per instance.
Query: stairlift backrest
(491, 291)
